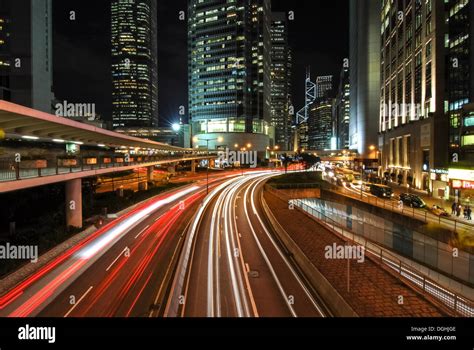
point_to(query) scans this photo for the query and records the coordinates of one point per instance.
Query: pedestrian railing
(459, 304)
(419, 214)
(12, 171)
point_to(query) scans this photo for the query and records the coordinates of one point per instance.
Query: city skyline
(238, 164)
(89, 38)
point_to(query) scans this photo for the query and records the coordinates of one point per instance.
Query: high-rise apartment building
(229, 66)
(134, 63)
(26, 53)
(280, 80)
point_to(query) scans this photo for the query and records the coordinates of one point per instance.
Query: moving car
(381, 191)
(411, 200)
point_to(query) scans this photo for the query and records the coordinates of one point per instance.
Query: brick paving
(374, 292)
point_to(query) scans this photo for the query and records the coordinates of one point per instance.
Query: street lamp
(218, 139)
(176, 127)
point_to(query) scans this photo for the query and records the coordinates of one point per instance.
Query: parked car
(438, 211)
(381, 191)
(411, 200)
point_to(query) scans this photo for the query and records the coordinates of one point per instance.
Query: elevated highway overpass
(38, 149)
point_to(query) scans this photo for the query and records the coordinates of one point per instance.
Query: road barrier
(457, 303)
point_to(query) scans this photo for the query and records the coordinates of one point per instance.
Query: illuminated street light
(176, 127)
(219, 140)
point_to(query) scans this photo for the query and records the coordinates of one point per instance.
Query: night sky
(318, 37)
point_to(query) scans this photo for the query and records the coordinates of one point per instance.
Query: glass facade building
(460, 81)
(320, 126)
(26, 53)
(229, 66)
(134, 63)
(342, 111)
(281, 80)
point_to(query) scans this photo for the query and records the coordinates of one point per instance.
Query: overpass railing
(11, 170)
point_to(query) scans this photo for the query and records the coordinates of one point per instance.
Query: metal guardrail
(295, 186)
(12, 171)
(459, 304)
(419, 214)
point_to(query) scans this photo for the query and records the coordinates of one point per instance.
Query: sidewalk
(374, 292)
(430, 201)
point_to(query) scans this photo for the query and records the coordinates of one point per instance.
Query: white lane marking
(267, 260)
(242, 262)
(118, 257)
(315, 304)
(230, 246)
(77, 303)
(142, 231)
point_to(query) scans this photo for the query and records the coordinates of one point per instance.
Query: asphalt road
(120, 270)
(234, 267)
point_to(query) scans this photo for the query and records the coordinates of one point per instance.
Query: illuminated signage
(439, 171)
(461, 174)
(467, 185)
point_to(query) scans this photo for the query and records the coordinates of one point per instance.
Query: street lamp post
(219, 139)
(362, 167)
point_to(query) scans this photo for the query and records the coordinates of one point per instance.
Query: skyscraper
(413, 124)
(460, 81)
(280, 80)
(324, 86)
(320, 128)
(364, 61)
(459, 104)
(26, 53)
(229, 72)
(134, 63)
(342, 111)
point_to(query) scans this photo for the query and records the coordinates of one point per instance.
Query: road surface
(120, 270)
(232, 266)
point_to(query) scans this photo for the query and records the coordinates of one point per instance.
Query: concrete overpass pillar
(193, 166)
(74, 203)
(149, 173)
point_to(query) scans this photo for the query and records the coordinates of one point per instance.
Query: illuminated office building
(134, 63)
(320, 127)
(459, 102)
(324, 86)
(364, 61)
(341, 113)
(413, 126)
(460, 81)
(280, 80)
(26, 53)
(229, 72)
